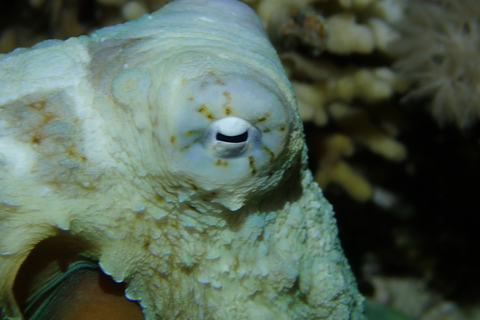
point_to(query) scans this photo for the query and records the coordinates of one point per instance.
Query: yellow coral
(333, 169)
(331, 91)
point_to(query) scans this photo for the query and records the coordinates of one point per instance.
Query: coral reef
(412, 297)
(438, 53)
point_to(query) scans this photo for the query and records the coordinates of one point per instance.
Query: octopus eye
(231, 137)
(243, 137)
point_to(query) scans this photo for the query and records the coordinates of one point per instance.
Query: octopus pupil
(233, 139)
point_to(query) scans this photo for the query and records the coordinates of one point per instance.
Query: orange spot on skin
(203, 109)
(282, 127)
(172, 139)
(221, 162)
(227, 95)
(269, 153)
(262, 119)
(193, 142)
(251, 163)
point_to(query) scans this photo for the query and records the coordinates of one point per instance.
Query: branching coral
(438, 52)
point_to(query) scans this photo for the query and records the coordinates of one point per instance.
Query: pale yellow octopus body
(169, 149)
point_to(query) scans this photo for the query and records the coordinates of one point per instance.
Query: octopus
(167, 154)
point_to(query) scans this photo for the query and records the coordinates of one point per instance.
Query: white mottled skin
(100, 138)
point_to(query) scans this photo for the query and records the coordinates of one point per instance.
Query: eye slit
(232, 139)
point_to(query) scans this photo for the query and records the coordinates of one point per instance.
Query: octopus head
(223, 137)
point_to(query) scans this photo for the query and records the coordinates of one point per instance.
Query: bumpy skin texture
(111, 139)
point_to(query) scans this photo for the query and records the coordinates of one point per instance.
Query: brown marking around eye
(192, 132)
(269, 153)
(263, 118)
(221, 162)
(189, 133)
(226, 104)
(251, 163)
(204, 109)
(189, 145)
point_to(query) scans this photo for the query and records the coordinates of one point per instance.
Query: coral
(133, 10)
(333, 149)
(352, 96)
(438, 52)
(411, 296)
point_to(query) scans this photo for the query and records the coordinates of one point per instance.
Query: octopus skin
(169, 151)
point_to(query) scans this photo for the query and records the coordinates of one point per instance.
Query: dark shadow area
(432, 233)
(58, 281)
